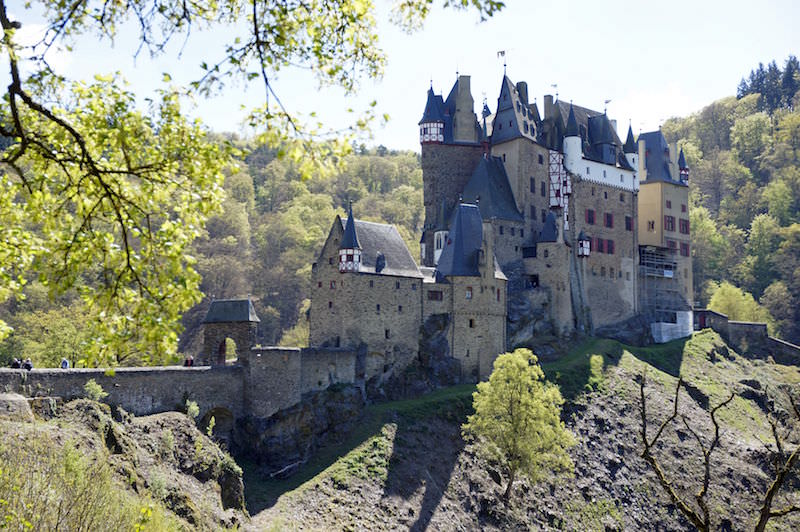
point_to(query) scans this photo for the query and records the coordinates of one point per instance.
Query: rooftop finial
(605, 106)
(555, 89)
(502, 53)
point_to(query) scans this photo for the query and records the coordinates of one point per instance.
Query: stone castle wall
(214, 334)
(609, 280)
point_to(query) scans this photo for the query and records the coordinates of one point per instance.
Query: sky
(651, 60)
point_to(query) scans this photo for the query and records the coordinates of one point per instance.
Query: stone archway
(224, 424)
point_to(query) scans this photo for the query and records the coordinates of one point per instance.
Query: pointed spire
(350, 237)
(682, 161)
(433, 109)
(630, 144)
(572, 123)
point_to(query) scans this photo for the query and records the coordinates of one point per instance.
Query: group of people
(28, 364)
(22, 364)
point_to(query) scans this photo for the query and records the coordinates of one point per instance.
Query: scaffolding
(661, 298)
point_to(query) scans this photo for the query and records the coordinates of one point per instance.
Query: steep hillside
(83, 470)
(408, 467)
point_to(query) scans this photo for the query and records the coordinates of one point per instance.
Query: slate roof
(682, 161)
(378, 238)
(350, 237)
(656, 158)
(630, 144)
(572, 123)
(231, 311)
(514, 117)
(600, 140)
(434, 108)
(549, 231)
(489, 188)
(460, 254)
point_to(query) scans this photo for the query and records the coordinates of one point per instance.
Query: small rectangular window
(333, 284)
(533, 186)
(684, 226)
(541, 159)
(544, 215)
(543, 188)
(587, 170)
(413, 287)
(601, 245)
(522, 233)
(330, 260)
(435, 295)
(386, 333)
(378, 308)
(669, 204)
(513, 231)
(468, 293)
(622, 197)
(501, 229)
(684, 249)
(628, 223)
(683, 207)
(609, 220)
(471, 323)
(533, 212)
(610, 247)
(590, 216)
(397, 285)
(669, 223)
(399, 308)
(371, 283)
(330, 304)
(319, 284)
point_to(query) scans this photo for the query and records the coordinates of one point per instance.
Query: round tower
(431, 127)
(683, 169)
(572, 143)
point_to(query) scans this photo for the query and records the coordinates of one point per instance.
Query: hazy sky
(652, 60)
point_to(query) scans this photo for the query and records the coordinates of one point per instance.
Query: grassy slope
(405, 467)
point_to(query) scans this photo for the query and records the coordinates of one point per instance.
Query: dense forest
(745, 193)
(745, 214)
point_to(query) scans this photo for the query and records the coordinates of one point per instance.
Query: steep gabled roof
(383, 239)
(656, 159)
(231, 311)
(682, 161)
(513, 118)
(461, 251)
(489, 188)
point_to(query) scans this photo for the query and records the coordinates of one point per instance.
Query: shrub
(94, 391)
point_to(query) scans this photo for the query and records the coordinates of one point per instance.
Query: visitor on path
(64, 363)
(15, 363)
(28, 364)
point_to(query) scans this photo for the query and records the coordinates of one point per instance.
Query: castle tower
(350, 249)
(431, 126)
(450, 148)
(228, 318)
(631, 150)
(572, 142)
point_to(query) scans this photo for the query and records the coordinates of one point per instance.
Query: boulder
(14, 407)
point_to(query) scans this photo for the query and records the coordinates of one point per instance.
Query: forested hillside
(745, 188)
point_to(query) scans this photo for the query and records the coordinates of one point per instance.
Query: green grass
(583, 368)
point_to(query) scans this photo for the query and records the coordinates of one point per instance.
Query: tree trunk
(507, 493)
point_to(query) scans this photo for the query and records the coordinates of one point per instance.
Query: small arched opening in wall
(226, 351)
(221, 429)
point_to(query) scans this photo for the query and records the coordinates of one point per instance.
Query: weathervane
(605, 106)
(555, 88)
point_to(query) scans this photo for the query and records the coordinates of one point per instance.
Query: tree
(699, 513)
(517, 420)
(106, 198)
(738, 305)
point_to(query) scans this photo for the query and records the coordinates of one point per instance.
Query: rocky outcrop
(14, 407)
(634, 331)
(288, 438)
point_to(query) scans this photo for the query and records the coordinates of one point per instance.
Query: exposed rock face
(290, 436)
(634, 331)
(15, 407)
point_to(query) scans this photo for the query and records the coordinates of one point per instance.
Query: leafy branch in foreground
(699, 515)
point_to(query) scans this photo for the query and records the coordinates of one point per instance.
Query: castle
(552, 202)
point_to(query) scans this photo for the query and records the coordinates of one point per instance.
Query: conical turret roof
(433, 108)
(682, 161)
(630, 144)
(350, 237)
(572, 124)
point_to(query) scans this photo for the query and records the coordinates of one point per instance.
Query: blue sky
(652, 60)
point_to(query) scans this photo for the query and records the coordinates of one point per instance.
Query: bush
(94, 391)
(56, 487)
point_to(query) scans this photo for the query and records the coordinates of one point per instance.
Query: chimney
(614, 125)
(549, 109)
(522, 90)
